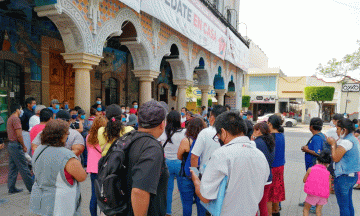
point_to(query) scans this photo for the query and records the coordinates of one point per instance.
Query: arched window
(216, 4)
(229, 16)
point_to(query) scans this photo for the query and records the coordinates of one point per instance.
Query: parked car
(288, 122)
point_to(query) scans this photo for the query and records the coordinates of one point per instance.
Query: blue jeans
(343, 186)
(187, 194)
(93, 200)
(174, 167)
(18, 163)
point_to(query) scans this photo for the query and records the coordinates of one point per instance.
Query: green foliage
(336, 68)
(198, 102)
(319, 93)
(210, 103)
(245, 101)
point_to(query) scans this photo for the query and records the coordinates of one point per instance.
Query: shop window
(11, 78)
(111, 92)
(262, 83)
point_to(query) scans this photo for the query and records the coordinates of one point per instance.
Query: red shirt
(133, 111)
(36, 130)
(13, 123)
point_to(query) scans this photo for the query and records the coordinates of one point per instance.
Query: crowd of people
(202, 152)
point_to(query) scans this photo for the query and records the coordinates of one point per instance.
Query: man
(245, 166)
(183, 116)
(314, 146)
(332, 131)
(29, 110)
(75, 122)
(75, 141)
(205, 145)
(54, 106)
(17, 149)
(35, 119)
(147, 169)
(249, 124)
(135, 108)
(66, 106)
(98, 102)
(46, 115)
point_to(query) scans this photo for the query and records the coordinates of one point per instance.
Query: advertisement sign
(263, 99)
(192, 19)
(236, 51)
(197, 92)
(351, 87)
(134, 4)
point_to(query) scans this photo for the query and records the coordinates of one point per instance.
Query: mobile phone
(195, 170)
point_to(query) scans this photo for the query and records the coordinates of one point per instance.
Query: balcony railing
(221, 17)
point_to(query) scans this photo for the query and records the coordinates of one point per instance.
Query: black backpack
(111, 185)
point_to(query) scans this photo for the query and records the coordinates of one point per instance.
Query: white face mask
(123, 110)
(332, 124)
(342, 136)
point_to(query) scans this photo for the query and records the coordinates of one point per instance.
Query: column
(146, 77)
(277, 104)
(220, 96)
(82, 63)
(205, 95)
(182, 86)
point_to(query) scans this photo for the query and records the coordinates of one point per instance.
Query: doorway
(111, 91)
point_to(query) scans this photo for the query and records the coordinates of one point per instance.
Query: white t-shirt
(346, 144)
(205, 146)
(332, 133)
(34, 120)
(183, 119)
(247, 170)
(171, 149)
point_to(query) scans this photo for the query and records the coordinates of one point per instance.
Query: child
(317, 184)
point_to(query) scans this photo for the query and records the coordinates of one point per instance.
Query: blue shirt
(314, 144)
(54, 110)
(270, 156)
(279, 150)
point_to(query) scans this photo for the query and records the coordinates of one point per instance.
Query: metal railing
(221, 17)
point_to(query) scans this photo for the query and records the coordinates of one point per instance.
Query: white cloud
(298, 35)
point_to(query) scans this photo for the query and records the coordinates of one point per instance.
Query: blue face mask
(356, 126)
(57, 106)
(33, 107)
(98, 102)
(21, 113)
(182, 114)
(74, 116)
(82, 117)
(123, 119)
(136, 106)
(244, 117)
(66, 106)
(98, 109)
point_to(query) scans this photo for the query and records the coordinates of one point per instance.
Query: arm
(337, 152)
(74, 168)
(184, 147)
(78, 149)
(20, 138)
(194, 160)
(197, 182)
(307, 150)
(197, 150)
(306, 175)
(140, 200)
(81, 127)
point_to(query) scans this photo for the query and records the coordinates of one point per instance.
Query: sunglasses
(216, 138)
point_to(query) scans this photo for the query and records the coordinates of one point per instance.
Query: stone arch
(228, 79)
(204, 74)
(195, 63)
(73, 27)
(140, 49)
(179, 65)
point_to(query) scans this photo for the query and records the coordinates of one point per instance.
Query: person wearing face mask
(183, 116)
(98, 102)
(17, 149)
(332, 131)
(135, 108)
(75, 123)
(345, 154)
(241, 162)
(66, 106)
(29, 111)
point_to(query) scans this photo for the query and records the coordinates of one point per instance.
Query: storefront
(261, 105)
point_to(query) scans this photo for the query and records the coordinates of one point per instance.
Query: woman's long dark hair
(276, 123)
(266, 135)
(114, 125)
(173, 124)
(194, 127)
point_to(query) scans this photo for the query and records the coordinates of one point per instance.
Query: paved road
(294, 171)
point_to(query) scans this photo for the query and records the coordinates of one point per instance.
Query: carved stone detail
(156, 24)
(94, 13)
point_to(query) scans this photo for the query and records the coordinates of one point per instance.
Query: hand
(25, 149)
(253, 138)
(331, 141)
(304, 148)
(2, 145)
(194, 178)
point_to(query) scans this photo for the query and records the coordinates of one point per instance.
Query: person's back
(52, 193)
(172, 147)
(279, 150)
(318, 181)
(247, 170)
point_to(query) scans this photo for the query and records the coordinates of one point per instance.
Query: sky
(298, 35)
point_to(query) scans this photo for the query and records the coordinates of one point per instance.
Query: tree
(335, 68)
(319, 94)
(245, 101)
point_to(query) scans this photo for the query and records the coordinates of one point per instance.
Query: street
(294, 172)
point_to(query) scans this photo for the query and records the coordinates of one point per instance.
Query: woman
(171, 139)
(57, 173)
(114, 128)
(266, 144)
(345, 154)
(186, 186)
(277, 188)
(94, 155)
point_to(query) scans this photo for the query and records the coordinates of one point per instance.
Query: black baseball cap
(64, 115)
(151, 114)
